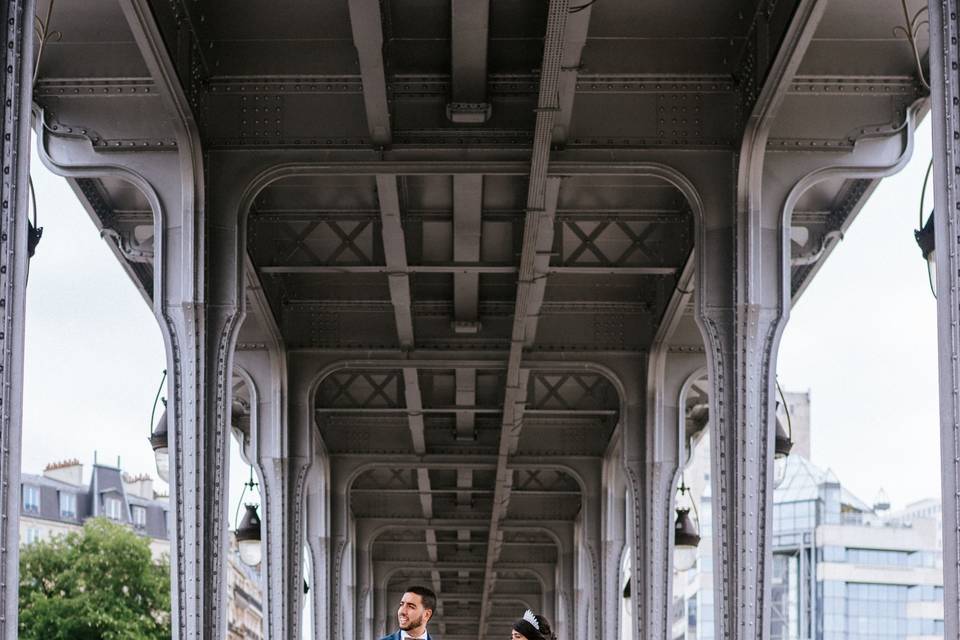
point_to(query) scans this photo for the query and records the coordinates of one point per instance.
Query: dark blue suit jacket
(396, 636)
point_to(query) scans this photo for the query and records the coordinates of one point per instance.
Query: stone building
(59, 501)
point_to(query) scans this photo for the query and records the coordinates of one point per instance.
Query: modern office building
(842, 569)
(58, 501)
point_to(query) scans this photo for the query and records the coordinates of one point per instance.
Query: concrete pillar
(17, 93)
(945, 85)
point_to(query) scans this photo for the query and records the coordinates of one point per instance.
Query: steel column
(17, 91)
(945, 85)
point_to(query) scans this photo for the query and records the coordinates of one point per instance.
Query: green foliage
(99, 584)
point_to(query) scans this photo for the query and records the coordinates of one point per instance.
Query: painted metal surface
(945, 85)
(457, 253)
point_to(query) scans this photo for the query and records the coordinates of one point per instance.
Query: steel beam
(467, 269)
(469, 35)
(945, 85)
(542, 196)
(467, 207)
(742, 308)
(466, 398)
(459, 408)
(367, 24)
(575, 37)
(198, 300)
(17, 16)
(395, 253)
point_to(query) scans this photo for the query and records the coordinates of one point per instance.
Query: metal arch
(241, 372)
(559, 366)
(691, 379)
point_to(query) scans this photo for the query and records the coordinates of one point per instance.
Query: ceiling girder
(467, 209)
(575, 37)
(542, 196)
(469, 269)
(367, 25)
(469, 36)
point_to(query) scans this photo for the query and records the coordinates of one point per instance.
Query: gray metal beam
(467, 208)
(575, 37)
(542, 196)
(945, 85)
(466, 395)
(469, 35)
(395, 254)
(17, 16)
(468, 269)
(367, 24)
(394, 249)
(743, 318)
(465, 409)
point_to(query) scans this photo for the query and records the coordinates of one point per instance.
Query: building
(842, 569)
(58, 501)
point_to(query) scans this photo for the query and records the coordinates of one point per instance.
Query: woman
(532, 627)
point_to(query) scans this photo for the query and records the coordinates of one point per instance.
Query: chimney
(140, 486)
(68, 471)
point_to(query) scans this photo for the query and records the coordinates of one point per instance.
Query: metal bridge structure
(447, 268)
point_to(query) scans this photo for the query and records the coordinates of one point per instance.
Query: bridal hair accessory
(532, 619)
(533, 627)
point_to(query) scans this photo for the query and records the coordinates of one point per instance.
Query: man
(416, 609)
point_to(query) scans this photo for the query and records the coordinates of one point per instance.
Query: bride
(532, 627)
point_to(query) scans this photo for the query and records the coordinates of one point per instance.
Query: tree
(98, 584)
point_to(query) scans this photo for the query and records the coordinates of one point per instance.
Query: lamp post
(248, 531)
(686, 536)
(159, 435)
(782, 442)
(248, 537)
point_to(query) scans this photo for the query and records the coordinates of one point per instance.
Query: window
(33, 535)
(31, 499)
(68, 505)
(139, 516)
(112, 508)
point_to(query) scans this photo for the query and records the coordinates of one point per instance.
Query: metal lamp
(248, 531)
(926, 236)
(782, 442)
(161, 451)
(159, 435)
(928, 247)
(248, 537)
(686, 537)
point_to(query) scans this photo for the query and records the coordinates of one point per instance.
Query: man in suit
(416, 609)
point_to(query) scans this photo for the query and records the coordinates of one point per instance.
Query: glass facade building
(842, 569)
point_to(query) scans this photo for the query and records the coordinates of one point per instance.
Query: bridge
(449, 270)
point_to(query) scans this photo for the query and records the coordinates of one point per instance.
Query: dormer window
(113, 508)
(68, 505)
(31, 499)
(139, 516)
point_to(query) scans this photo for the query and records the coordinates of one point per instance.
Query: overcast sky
(862, 340)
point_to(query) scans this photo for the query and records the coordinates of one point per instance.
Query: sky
(862, 340)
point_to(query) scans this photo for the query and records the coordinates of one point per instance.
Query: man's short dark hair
(427, 596)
